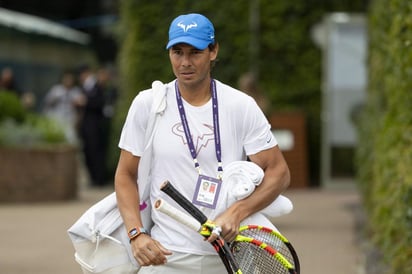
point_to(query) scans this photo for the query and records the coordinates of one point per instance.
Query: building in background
(38, 50)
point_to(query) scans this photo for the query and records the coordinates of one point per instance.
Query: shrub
(18, 127)
(11, 107)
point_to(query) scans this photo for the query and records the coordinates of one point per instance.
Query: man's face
(191, 65)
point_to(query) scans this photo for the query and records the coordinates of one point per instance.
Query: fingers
(230, 237)
(227, 233)
(149, 252)
(217, 230)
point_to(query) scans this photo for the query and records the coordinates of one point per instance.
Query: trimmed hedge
(385, 151)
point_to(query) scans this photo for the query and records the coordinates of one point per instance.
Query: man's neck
(196, 95)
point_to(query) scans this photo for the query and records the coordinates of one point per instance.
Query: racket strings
(272, 241)
(254, 260)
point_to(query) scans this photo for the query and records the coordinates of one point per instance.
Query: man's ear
(214, 52)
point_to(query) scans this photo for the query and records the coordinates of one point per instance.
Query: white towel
(240, 179)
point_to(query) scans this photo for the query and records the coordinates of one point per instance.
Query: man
(91, 126)
(205, 126)
(62, 102)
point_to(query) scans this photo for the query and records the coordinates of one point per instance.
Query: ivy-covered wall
(385, 150)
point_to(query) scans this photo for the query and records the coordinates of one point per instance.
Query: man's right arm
(146, 250)
(126, 189)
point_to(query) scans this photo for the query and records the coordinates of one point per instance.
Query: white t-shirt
(244, 130)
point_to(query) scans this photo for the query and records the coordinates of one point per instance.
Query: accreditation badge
(207, 191)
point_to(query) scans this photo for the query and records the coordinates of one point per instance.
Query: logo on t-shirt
(201, 140)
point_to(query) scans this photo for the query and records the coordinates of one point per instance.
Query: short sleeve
(133, 132)
(258, 134)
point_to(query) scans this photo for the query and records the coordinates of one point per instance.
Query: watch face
(133, 232)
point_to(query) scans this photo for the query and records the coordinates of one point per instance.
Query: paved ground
(322, 230)
(33, 237)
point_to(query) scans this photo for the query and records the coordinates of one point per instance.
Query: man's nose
(186, 60)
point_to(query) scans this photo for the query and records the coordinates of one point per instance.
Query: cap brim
(197, 43)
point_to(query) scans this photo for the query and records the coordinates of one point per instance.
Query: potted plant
(36, 161)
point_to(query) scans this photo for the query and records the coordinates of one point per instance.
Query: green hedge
(385, 150)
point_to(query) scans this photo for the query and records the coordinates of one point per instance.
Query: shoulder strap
(158, 106)
(157, 109)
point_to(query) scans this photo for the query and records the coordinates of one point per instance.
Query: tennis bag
(99, 237)
(101, 241)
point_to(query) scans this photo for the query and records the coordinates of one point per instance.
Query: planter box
(38, 174)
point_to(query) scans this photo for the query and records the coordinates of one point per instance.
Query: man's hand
(228, 224)
(148, 251)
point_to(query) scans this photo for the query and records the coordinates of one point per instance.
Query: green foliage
(10, 106)
(35, 131)
(20, 128)
(385, 151)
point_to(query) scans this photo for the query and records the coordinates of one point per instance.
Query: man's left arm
(275, 181)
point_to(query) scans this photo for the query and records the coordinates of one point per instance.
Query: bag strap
(158, 107)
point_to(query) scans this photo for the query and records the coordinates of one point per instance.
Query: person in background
(8, 83)
(92, 125)
(62, 102)
(206, 125)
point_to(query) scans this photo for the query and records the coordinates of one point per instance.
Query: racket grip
(173, 193)
(179, 216)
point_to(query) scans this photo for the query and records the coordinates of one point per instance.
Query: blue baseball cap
(193, 29)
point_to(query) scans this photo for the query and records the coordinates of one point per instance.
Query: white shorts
(182, 263)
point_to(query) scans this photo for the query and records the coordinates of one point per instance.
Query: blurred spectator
(7, 82)
(62, 103)
(92, 125)
(248, 84)
(106, 82)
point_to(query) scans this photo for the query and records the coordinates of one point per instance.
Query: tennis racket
(219, 244)
(252, 255)
(275, 239)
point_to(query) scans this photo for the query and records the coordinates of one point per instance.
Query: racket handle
(179, 216)
(173, 193)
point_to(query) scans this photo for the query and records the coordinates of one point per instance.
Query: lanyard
(216, 130)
